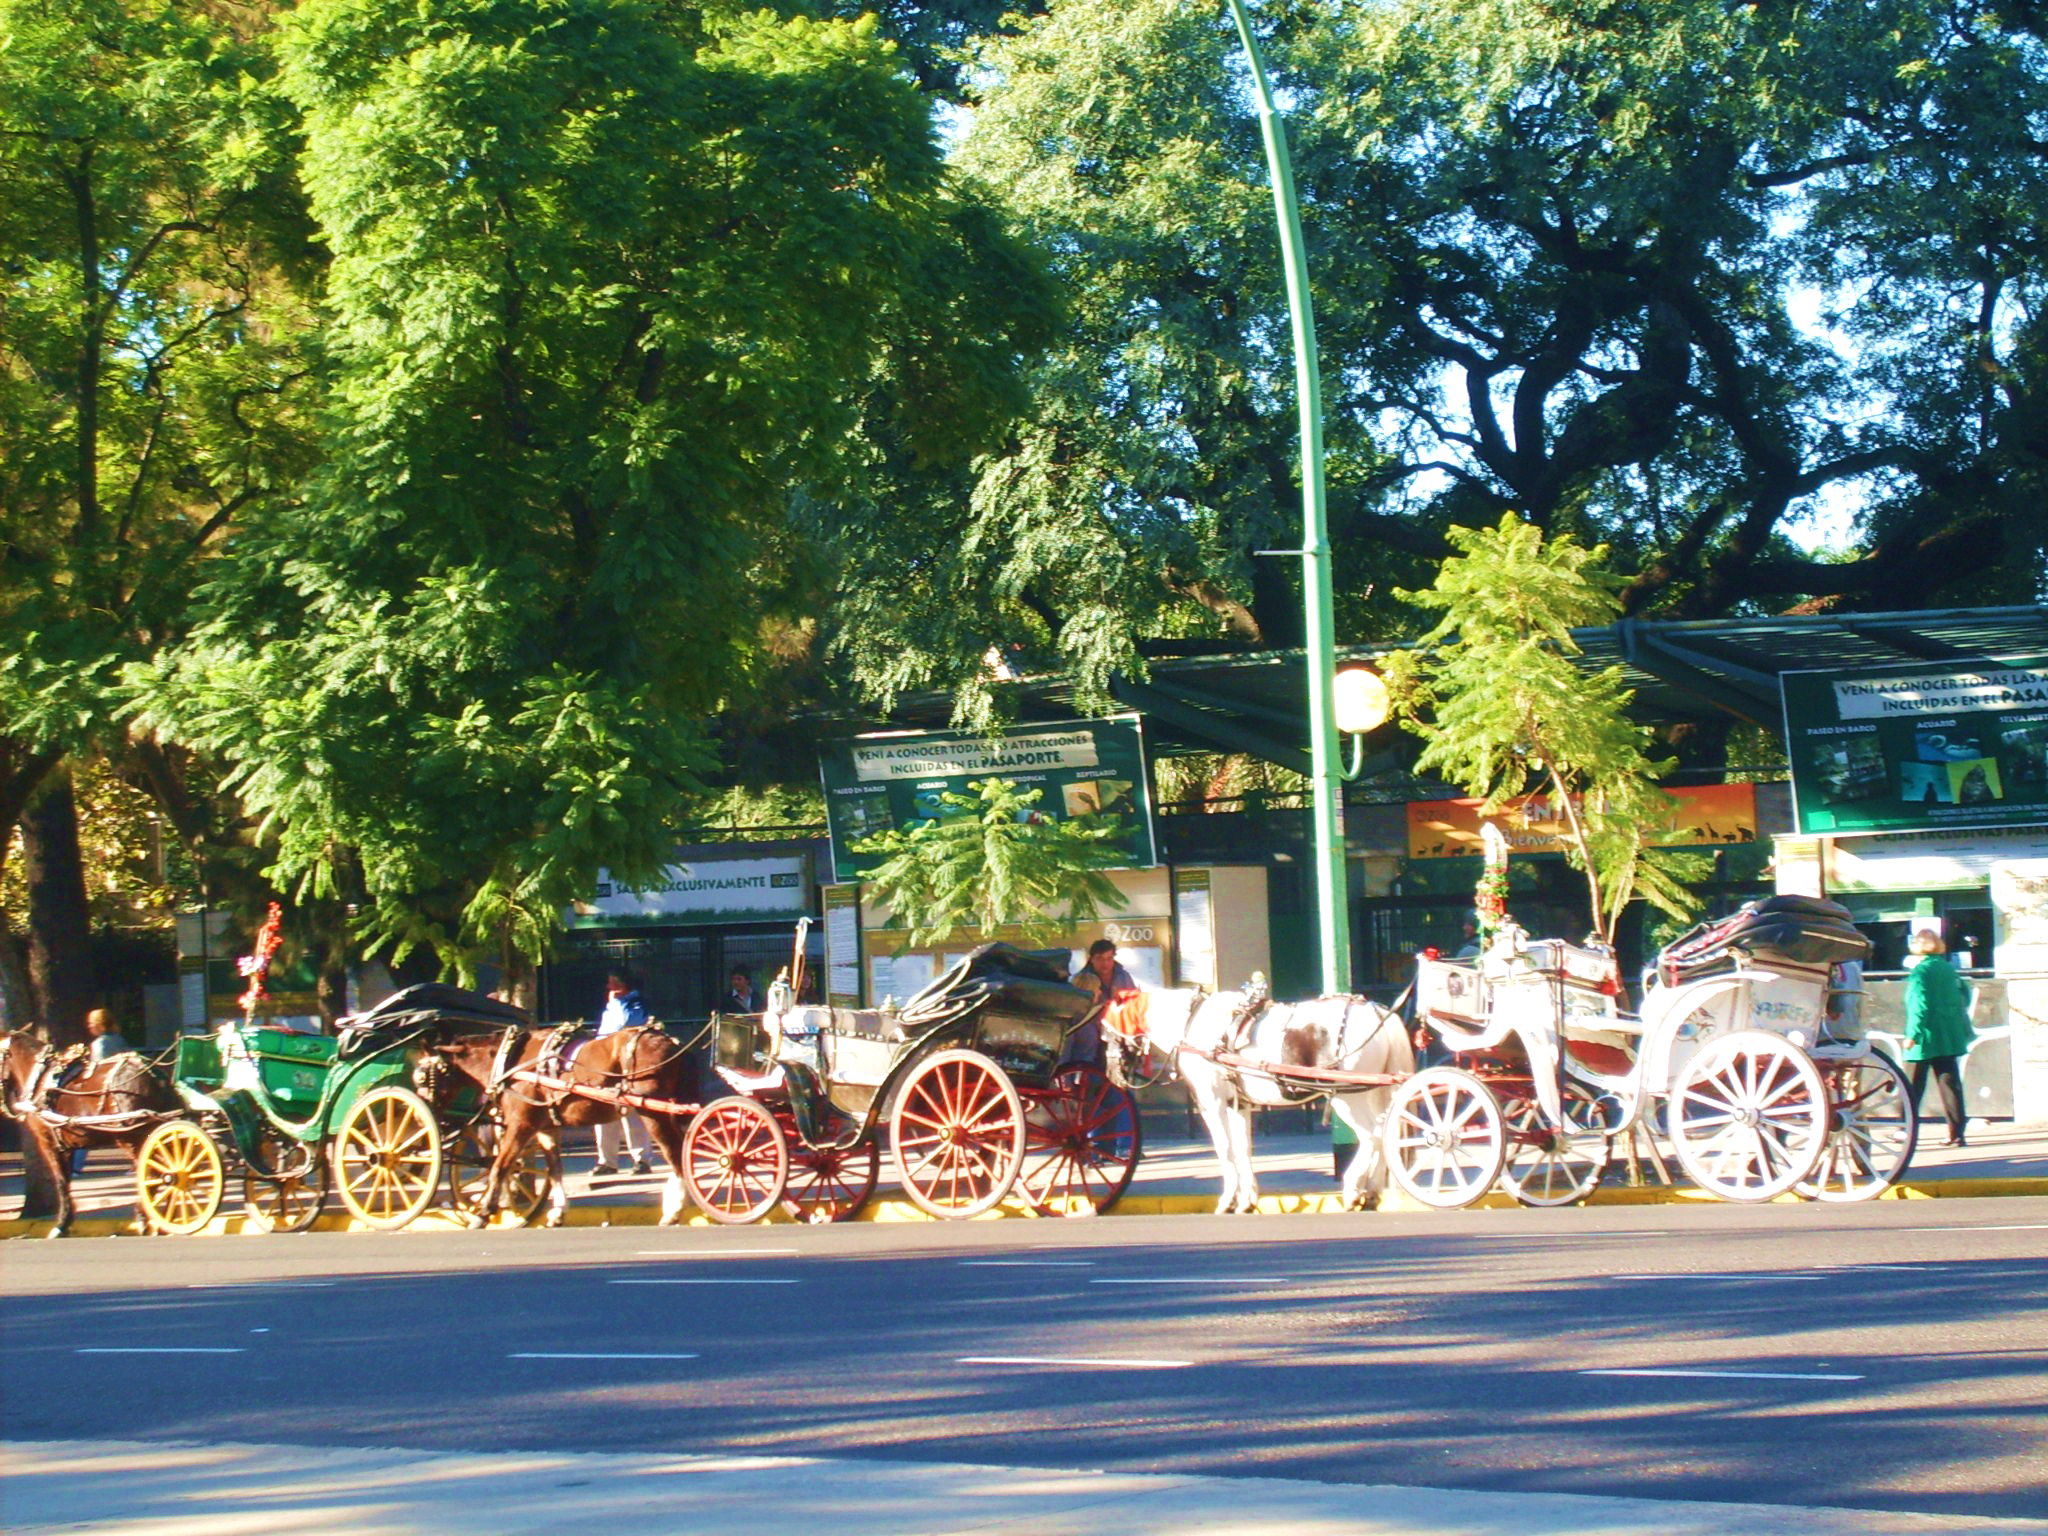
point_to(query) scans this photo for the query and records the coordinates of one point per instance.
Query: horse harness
(52, 1071)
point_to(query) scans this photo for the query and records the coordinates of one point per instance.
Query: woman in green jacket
(1938, 1032)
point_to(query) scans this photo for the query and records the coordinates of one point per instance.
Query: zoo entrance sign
(1885, 749)
(1081, 768)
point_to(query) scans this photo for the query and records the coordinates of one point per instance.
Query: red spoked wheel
(1082, 1144)
(831, 1183)
(735, 1161)
(958, 1131)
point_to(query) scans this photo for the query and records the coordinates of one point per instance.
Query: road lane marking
(1191, 1280)
(1736, 1375)
(1735, 1276)
(706, 1280)
(159, 1349)
(263, 1285)
(571, 1354)
(1086, 1362)
(721, 1253)
(2003, 1226)
(1027, 1263)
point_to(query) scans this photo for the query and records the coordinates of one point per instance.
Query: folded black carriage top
(412, 1010)
(1795, 930)
(1001, 978)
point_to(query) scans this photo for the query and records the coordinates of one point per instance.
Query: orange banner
(1449, 829)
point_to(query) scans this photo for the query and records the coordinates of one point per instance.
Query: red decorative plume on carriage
(257, 966)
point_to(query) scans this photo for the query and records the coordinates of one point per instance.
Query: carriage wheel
(735, 1161)
(1749, 1117)
(1081, 1143)
(1556, 1165)
(1445, 1139)
(387, 1157)
(179, 1178)
(958, 1132)
(284, 1188)
(470, 1154)
(831, 1183)
(1873, 1130)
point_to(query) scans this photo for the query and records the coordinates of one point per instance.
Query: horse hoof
(56, 1232)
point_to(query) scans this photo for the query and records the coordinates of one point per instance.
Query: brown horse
(641, 1061)
(64, 1103)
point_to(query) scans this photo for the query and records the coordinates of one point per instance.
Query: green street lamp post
(1325, 771)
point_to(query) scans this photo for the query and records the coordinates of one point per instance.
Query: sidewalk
(134, 1488)
(1177, 1174)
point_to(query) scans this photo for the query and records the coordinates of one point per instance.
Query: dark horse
(643, 1061)
(64, 1103)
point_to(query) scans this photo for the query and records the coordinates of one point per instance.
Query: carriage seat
(859, 1023)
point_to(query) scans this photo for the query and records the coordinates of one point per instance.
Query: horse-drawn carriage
(967, 1076)
(369, 1112)
(1732, 1052)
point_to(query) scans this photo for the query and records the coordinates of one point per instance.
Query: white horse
(1193, 1029)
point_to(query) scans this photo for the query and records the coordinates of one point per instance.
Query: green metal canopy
(1257, 701)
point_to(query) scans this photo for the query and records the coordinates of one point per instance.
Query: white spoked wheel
(1749, 1116)
(1556, 1164)
(1445, 1137)
(1872, 1133)
(958, 1134)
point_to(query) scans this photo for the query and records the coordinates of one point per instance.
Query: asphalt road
(1885, 1357)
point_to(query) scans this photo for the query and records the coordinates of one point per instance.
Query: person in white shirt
(623, 1009)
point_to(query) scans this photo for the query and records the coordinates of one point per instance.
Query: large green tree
(1682, 273)
(610, 285)
(151, 369)
(1710, 284)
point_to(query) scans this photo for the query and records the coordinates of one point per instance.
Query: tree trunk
(17, 998)
(59, 921)
(518, 977)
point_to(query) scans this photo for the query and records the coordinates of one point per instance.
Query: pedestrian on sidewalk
(1938, 1029)
(623, 1009)
(739, 997)
(1343, 1143)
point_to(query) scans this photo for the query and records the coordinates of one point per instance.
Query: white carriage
(1542, 1073)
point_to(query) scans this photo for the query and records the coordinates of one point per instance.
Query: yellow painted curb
(1321, 1204)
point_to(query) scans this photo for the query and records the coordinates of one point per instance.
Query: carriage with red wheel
(972, 1079)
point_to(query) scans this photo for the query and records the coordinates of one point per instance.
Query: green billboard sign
(1892, 749)
(1083, 767)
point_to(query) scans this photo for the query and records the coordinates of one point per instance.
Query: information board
(842, 946)
(1887, 749)
(1195, 928)
(897, 779)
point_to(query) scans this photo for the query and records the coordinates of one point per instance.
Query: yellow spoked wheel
(179, 1178)
(469, 1164)
(284, 1187)
(387, 1157)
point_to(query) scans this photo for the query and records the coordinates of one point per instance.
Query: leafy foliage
(1494, 695)
(607, 280)
(152, 348)
(991, 862)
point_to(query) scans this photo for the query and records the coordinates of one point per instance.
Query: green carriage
(367, 1113)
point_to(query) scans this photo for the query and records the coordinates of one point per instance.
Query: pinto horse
(642, 1061)
(111, 1103)
(1235, 1057)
